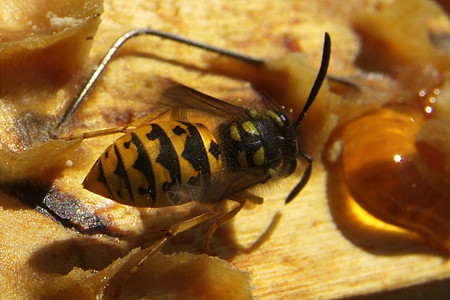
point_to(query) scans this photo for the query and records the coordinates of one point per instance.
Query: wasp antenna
(319, 79)
(95, 75)
(303, 181)
(312, 95)
(177, 38)
(134, 33)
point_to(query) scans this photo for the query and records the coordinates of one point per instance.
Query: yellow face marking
(274, 170)
(271, 171)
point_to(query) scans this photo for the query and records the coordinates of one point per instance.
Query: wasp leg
(252, 198)
(148, 118)
(179, 114)
(94, 133)
(303, 180)
(115, 284)
(242, 198)
(219, 222)
(122, 129)
(113, 288)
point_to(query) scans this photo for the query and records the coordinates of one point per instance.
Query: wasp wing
(209, 188)
(231, 183)
(186, 97)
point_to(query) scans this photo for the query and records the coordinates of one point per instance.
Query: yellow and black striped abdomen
(141, 167)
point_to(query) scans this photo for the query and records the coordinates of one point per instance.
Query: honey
(396, 166)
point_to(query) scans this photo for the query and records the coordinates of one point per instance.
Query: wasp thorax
(264, 139)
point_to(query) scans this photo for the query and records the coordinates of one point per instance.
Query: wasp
(157, 164)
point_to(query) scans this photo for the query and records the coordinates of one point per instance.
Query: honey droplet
(384, 173)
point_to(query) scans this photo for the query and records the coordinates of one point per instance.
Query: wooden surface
(317, 248)
(314, 247)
